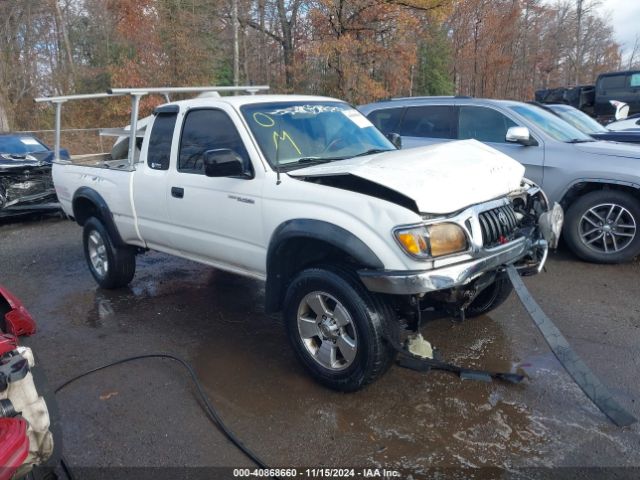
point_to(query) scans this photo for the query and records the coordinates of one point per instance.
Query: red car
(25, 436)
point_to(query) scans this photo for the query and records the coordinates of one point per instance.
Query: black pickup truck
(594, 100)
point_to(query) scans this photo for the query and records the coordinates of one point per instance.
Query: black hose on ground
(210, 410)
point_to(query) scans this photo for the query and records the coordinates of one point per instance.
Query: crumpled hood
(441, 178)
(610, 148)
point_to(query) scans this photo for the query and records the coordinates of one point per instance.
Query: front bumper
(424, 281)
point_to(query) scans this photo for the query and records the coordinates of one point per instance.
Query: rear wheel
(111, 266)
(604, 227)
(337, 328)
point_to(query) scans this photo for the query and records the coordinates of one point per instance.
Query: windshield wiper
(304, 161)
(372, 151)
(314, 160)
(580, 140)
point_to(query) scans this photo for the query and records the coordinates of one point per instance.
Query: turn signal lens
(414, 241)
(446, 238)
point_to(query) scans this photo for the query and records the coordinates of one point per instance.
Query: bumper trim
(402, 282)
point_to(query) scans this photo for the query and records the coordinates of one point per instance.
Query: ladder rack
(136, 94)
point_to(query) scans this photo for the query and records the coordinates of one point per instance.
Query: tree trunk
(65, 39)
(578, 41)
(287, 43)
(4, 118)
(264, 72)
(236, 43)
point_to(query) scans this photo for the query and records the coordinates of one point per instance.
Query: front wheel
(111, 266)
(490, 298)
(337, 328)
(602, 226)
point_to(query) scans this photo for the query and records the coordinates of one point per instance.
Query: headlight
(432, 240)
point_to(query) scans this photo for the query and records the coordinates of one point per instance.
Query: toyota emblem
(503, 218)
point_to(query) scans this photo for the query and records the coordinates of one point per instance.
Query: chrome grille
(496, 223)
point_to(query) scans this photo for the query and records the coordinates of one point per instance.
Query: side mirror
(519, 135)
(395, 139)
(223, 162)
(622, 109)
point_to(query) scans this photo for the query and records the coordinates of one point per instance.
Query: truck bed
(100, 160)
(110, 179)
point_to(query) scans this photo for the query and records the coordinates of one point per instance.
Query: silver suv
(596, 182)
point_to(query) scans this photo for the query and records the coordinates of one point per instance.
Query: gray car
(596, 182)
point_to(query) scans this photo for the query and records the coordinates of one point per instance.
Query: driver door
(216, 220)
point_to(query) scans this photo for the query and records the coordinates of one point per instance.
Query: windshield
(553, 126)
(295, 134)
(578, 119)
(20, 145)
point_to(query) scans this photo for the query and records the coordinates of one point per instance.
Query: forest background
(357, 50)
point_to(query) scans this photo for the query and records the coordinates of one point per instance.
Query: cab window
(207, 129)
(160, 141)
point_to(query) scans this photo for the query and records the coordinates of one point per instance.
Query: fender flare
(306, 228)
(104, 212)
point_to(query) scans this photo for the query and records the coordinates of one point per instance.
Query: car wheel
(603, 227)
(337, 328)
(490, 298)
(111, 267)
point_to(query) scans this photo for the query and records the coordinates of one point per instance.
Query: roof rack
(135, 94)
(427, 97)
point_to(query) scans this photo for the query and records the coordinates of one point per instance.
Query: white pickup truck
(351, 235)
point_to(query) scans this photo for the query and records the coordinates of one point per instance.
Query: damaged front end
(517, 229)
(26, 185)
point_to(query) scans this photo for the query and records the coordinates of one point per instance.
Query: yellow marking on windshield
(269, 122)
(282, 137)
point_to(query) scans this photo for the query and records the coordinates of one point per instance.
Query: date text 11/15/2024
(316, 473)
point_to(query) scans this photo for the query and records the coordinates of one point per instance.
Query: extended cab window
(483, 124)
(435, 121)
(203, 130)
(386, 120)
(160, 141)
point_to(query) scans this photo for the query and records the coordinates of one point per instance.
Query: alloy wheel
(607, 228)
(327, 331)
(98, 253)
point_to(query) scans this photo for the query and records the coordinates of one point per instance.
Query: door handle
(177, 192)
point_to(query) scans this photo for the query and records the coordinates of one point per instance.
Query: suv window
(483, 124)
(203, 130)
(386, 120)
(160, 141)
(434, 121)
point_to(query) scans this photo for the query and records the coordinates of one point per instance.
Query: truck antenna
(278, 181)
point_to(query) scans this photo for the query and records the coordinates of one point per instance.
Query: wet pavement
(146, 413)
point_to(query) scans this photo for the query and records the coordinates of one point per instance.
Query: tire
(490, 298)
(585, 214)
(111, 266)
(356, 319)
